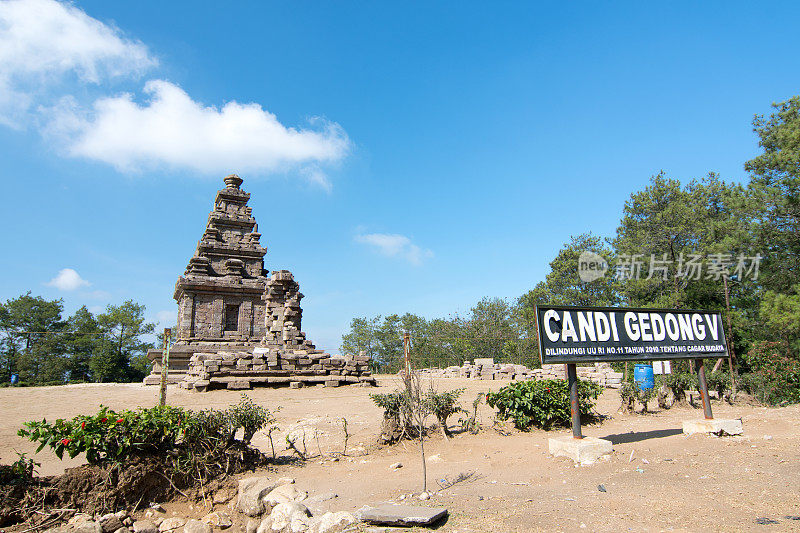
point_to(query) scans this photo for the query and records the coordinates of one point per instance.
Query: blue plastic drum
(14, 379)
(643, 376)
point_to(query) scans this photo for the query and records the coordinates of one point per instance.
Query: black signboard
(591, 334)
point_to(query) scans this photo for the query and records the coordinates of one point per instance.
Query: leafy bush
(776, 376)
(443, 405)
(185, 439)
(109, 435)
(631, 393)
(399, 405)
(679, 383)
(541, 404)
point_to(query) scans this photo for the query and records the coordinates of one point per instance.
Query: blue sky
(401, 156)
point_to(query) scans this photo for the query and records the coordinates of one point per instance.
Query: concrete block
(716, 426)
(585, 451)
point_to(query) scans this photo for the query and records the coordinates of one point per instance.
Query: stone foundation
(273, 367)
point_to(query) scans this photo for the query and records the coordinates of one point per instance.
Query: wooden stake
(164, 366)
(731, 354)
(407, 353)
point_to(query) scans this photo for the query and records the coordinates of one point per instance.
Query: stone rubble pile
(486, 368)
(242, 370)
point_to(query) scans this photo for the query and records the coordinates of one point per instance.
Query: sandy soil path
(673, 482)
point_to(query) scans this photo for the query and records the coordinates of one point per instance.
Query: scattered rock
(402, 515)
(265, 526)
(110, 522)
(395, 466)
(122, 530)
(601, 488)
(157, 507)
(218, 519)
(223, 496)
(424, 496)
(144, 526)
(284, 494)
(252, 525)
(332, 522)
(83, 523)
(435, 458)
(251, 490)
(767, 437)
(284, 514)
(196, 526)
(171, 524)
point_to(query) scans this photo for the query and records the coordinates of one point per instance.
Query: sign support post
(703, 386)
(574, 406)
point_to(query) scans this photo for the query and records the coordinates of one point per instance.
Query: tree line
(40, 346)
(705, 244)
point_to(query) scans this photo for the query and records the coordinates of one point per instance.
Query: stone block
(402, 515)
(715, 426)
(585, 451)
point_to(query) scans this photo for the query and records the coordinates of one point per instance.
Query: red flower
(64, 442)
(83, 425)
(104, 420)
(119, 421)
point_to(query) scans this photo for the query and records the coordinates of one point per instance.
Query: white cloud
(395, 245)
(51, 52)
(174, 130)
(44, 41)
(68, 279)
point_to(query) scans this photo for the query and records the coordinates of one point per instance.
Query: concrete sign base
(585, 451)
(716, 426)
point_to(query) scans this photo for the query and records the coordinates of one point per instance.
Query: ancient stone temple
(220, 295)
(284, 355)
(238, 327)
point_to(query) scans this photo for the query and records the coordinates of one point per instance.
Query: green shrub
(679, 383)
(183, 436)
(109, 435)
(775, 379)
(541, 404)
(443, 405)
(631, 393)
(398, 407)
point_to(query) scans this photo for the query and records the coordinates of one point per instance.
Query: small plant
(443, 405)
(20, 471)
(470, 423)
(631, 393)
(541, 404)
(679, 383)
(250, 417)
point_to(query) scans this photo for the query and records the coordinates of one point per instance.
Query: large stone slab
(402, 515)
(715, 426)
(585, 451)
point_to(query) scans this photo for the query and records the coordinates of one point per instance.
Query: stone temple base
(274, 367)
(715, 426)
(585, 451)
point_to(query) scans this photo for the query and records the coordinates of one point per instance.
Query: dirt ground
(657, 479)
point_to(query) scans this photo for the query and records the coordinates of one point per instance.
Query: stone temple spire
(220, 305)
